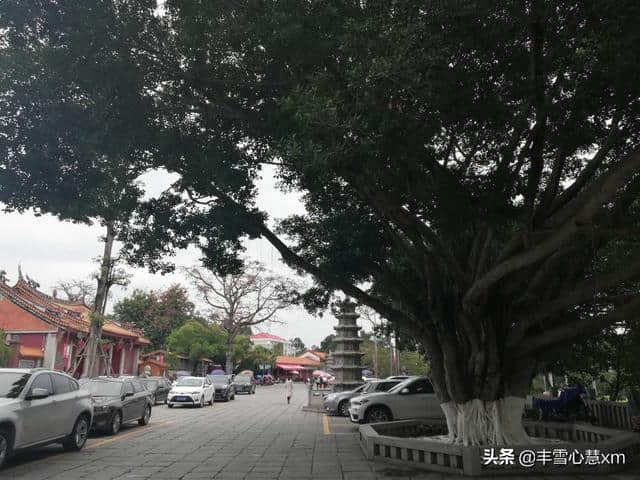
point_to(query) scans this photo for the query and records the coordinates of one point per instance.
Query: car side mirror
(37, 393)
(404, 391)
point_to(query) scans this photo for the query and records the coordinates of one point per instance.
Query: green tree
(156, 313)
(328, 343)
(466, 168)
(72, 137)
(612, 360)
(298, 345)
(410, 362)
(278, 350)
(263, 356)
(197, 340)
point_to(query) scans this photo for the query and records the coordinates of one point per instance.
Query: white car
(40, 406)
(194, 391)
(412, 398)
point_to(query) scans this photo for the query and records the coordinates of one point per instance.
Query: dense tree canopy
(469, 170)
(156, 313)
(201, 340)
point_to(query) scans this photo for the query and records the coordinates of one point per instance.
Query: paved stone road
(255, 437)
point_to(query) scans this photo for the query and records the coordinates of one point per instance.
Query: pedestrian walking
(288, 388)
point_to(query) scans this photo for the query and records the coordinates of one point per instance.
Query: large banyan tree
(469, 169)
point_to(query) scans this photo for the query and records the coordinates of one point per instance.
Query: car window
(137, 386)
(384, 386)
(421, 386)
(60, 384)
(43, 381)
(74, 385)
(128, 388)
(12, 384)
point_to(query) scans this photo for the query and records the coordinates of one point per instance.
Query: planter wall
(394, 442)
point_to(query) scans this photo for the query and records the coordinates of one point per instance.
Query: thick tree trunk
(482, 392)
(100, 303)
(478, 422)
(229, 356)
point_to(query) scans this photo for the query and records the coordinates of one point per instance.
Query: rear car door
(421, 402)
(65, 400)
(141, 396)
(129, 403)
(38, 416)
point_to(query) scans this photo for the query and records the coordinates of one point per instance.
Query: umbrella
(320, 373)
(217, 372)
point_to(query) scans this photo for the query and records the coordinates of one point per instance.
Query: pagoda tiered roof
(67, 315)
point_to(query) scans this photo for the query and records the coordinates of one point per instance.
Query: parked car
(338, 403)
(117, 401)
(40, 406)
(194, 391)
(244, 384)
(224, 387)
(159, 388)
(412, 398)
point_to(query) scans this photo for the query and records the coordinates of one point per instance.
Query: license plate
(181, 399)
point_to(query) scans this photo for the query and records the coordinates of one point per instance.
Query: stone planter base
(396, 443)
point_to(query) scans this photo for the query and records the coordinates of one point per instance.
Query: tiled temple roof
(61, 313)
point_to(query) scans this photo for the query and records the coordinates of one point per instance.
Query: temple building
(45, 331)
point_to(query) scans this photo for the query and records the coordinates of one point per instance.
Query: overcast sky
(50, 250)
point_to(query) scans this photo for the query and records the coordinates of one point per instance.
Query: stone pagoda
(347, 357)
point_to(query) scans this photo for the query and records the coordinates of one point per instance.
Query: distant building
(316, 356)
(300, 367)
(45, 331)
(269, 341)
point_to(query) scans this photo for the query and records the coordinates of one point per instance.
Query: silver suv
(40, 406)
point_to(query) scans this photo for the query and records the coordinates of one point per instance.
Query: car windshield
(102, 388)
(219, 379)
(243, 380)
(189, 382)
(362, 388)
(11, 383)
(150, 383)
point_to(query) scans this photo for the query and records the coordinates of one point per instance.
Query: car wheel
(116, 423)
(377, 414)
(79, 434)
(145, 418)
(343, 408)
(5, 446)
(201, 402)
(169, 405)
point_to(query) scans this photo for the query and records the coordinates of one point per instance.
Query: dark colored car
(159, 388)
(117, 401)
(224, 387)
(244, 384)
